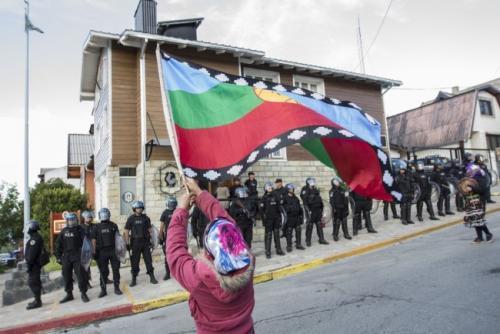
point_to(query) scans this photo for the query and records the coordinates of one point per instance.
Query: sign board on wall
(170, 182)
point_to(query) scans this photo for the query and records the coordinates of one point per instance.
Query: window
(493, 141)
(485, 107)
(383, 141)
(310, 83)
(272, 76)
(128, 171)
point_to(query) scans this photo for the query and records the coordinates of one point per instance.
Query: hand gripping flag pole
(167, 111)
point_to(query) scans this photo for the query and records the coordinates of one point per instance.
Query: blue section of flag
(178, 76)
(348, 118)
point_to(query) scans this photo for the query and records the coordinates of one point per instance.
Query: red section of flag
(225, 145)
(357, 164)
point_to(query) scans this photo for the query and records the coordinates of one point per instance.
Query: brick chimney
(145, 16)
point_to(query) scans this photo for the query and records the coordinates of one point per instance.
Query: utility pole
(28, 26)
(360, 48)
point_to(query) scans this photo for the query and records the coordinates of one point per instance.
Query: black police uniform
(34, 249)
(340, 210)
(139, 226)
(487, 190)
(68, 250)
(88, 232)
(199, 223)
(282, 193)
(270, 208)
(253, 195)
(424, 182)
(295, 218)
(240, 211)
(393, 209)
(404, 183)
(104, 234)
(313, 202)
(440, 178)
(165, 218)
(362, 208)
(458, 172)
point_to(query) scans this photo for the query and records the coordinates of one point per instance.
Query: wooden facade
(125, 92)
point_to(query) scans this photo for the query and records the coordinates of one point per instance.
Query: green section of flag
(316, 148)
(220, 105)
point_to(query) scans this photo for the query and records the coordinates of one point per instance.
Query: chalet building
(132, 154)
(460, 121)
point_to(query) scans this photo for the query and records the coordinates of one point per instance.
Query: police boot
(394, 211)
(117, 289)
(152, 279)
(277, 242)
(102, 293)
(35, 304)
(404, 219)
(321, 235)
(345, 230)
(420, 206)
(309, 231)
(355, 224)
(298, 237)
(431, 210)
(386, 212)
(447, 207)
(67, 298)
(84, 297)
(289, 240)
(408, 214)
(369, 225)
(133, 282)
(167, 273)
(336, 228)
(267, 243)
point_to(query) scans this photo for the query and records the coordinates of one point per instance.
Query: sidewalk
(146, 296)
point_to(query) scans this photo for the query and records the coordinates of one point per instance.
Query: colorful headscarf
(474, 171)
(223, 240)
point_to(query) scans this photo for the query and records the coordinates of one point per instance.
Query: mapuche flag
(225, 123)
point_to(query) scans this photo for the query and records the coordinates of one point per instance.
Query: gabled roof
(97, 40)
(446, 120)
(80, 149)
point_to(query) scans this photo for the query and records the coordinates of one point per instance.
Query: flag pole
(167, 111)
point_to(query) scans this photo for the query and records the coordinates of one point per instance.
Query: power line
(376, 34)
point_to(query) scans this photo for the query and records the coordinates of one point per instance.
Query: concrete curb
(181, 296)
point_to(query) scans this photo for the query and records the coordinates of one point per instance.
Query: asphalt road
(438, 283)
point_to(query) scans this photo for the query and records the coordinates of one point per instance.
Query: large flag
(225, 123)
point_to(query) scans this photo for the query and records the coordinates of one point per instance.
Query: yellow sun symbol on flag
(271, 96)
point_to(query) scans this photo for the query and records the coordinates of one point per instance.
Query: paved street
(439, 283)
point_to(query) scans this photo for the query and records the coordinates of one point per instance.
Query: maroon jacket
(218, 304)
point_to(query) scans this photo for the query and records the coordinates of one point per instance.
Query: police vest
(72, 239)
(106, 235)
(139, 229)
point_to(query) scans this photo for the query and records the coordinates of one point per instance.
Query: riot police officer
(236, 185)
(137, 237)
(68, 252)
(34, 249)
(393, 210)
(340, 209)
(282, 192)
(314, 204)
(423, 180)
(362, 207)
(458, 172)
(166, 216)
(252, 184)
(405, 184)
(240, 211)
(103, 241)
(479, 160)
(295, 218)
(270, 209)
(439, 176)
(88, 228)
(199, 223)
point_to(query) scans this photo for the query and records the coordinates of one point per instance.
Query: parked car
(8, 259)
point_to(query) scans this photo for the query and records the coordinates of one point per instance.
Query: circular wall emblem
(128, 197)
(170, 179)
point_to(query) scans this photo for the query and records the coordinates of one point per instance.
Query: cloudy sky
(429, 45)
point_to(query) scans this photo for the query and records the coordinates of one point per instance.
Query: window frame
(487, 102)
(319, 82)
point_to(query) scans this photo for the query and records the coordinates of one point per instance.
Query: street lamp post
(28, 26)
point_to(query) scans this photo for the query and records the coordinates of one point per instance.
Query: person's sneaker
(477, 241)
(67, 298)
(489, 237)
(85, 298)
(102, 294)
